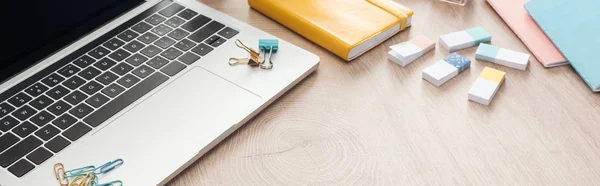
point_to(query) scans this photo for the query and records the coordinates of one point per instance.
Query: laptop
(84, 82)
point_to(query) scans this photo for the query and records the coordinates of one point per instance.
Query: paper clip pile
(266, 46)
(86, 176)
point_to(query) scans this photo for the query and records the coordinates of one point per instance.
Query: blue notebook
(574, 27)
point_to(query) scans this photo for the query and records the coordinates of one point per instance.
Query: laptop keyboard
(44, 115)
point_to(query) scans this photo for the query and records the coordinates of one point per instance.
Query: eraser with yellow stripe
(486, 86)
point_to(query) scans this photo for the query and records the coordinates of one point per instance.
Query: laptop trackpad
(174, 124)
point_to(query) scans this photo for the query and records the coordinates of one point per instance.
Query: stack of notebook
(558, 32)
(573, 26)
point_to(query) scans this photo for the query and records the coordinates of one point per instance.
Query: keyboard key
(58, 92)
(125, 99)
(122, 68)
(75, 132)
(151, 51)
(47, 132)
(141, 27)
(155, 19)
(148, 38)
(21, 168)
(64, 121)
(99, 52)
(42, 118)
(8, 123)
(20, 99)
(157, 62)
(174, 22)
(91, 87)
(75, 97)
(113, 90)
(41, 102)
(113, 44)
(74, 83)
(134, 46)
(189, 58)
(24, 129)
(24, 112)
(173, 68)
(171, 10)
(97, 100)
(52, 80)
(171, 53)
(119, 55)
(128, 81)
(89, 73)
(185, 45)
(196, 23)
(39, 156)
(164, 42)
(202, 49)
(107, 78)
(36, 89)
(187, 14)
(136, 59)
(7, 140)
(206, 31)
(161, 30)
(57, 144)
(59, 108)
(178, 34)
(228, 32)
(84, 61)
(81, 110)
(211, 39)
(143, 71)
(127, 35)
(105, 64)
(5, 108)
(21, 149)
(218, 43)
(68, 70)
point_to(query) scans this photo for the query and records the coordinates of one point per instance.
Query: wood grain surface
(372, 122)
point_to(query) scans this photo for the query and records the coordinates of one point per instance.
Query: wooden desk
(372, 122)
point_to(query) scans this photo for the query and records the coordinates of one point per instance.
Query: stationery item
(59, 170)
(501, 56)
(517, 18)
(253, 60)
(446, 69)
(238, 61)
(573, 27)
(407, 52)
(347, 28)
(267, 47)
(486, 86)
(456, 2)
(465, 39)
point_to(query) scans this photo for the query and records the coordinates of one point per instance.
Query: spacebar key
(125, 99)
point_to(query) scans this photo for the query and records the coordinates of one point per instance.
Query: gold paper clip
(81, 180)
(253, 53)
(59, 170)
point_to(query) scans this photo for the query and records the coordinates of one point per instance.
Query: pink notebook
(517, 18)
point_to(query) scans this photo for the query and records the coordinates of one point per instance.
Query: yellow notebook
(347, 28)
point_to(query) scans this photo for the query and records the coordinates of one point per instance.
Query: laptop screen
(34, 29)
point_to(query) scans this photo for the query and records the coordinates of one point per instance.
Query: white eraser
(502, 56)
(486, 86)
(444, 70)
(465, 39)
(407, 52)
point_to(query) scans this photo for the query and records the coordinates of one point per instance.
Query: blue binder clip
(267, 48)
